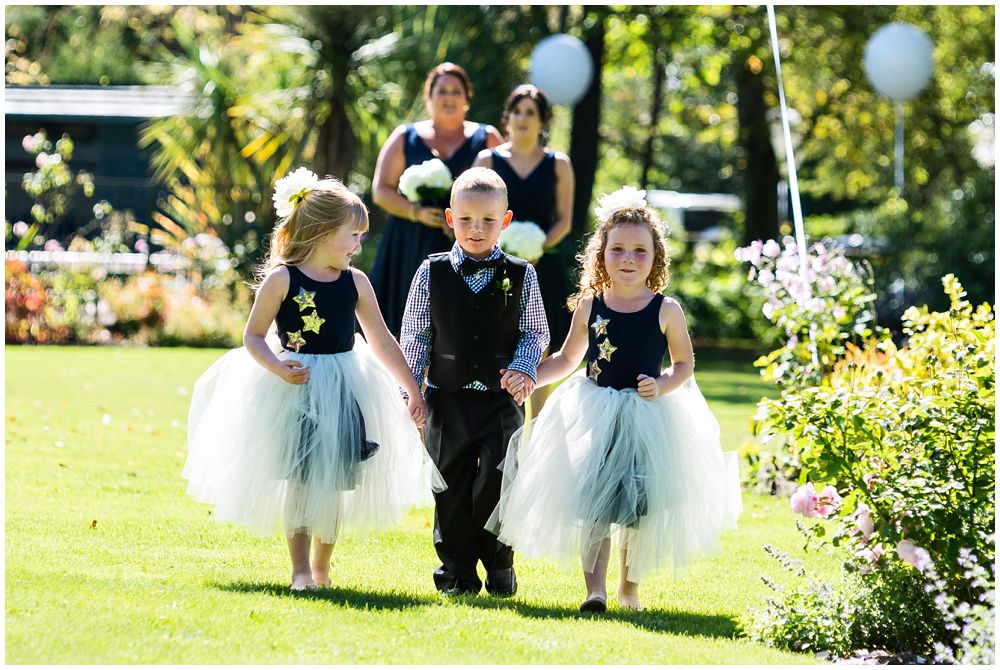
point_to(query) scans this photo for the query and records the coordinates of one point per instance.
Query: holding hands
(518, 384)
(418, 409)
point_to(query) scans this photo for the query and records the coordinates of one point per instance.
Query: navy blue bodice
(534, 197)
(623, 345)
(317, 317)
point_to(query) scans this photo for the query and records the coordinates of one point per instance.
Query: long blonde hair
(325, 206)
(594, 277)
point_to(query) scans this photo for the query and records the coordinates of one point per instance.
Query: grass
(109, 561)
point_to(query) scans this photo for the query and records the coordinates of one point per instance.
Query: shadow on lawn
(655, 620)
(363, 600)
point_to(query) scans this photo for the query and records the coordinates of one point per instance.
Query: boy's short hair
(479, 180)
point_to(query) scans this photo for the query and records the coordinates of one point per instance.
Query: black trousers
(466, 435)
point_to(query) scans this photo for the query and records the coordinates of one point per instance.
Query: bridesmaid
(540, 186)
(412, 231)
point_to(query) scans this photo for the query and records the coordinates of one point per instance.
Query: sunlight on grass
(109, 561)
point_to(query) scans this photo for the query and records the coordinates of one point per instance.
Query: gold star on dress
(312, 322)
(593, 371)
(295, 340)
(606, 350)
(305, 299)
(600, 326)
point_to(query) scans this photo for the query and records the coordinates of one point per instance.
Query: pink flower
(141, 246)
(28, 143)
(41, 160)
(916, 556)
(771, 249)
(768, 309)
(804, 500)
(863, 519)
(869, 480)
(20, 229)
(839, 312)
(829, 500)
(765, 277)
(870, 555)
(53, 245)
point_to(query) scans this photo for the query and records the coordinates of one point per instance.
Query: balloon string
(793, 181)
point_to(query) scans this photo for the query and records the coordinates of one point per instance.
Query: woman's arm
(565, 185)
(493, 137)
(265, 307)
(484, 159)
(567, 359)
(674, 327)
(385, 184)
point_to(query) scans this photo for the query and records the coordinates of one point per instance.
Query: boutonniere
(504, 285)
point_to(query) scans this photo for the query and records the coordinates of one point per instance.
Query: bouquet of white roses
(428, 182)
(523, 239)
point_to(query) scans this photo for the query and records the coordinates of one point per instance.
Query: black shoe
(444, 579)
(458, 592)
(501, 583)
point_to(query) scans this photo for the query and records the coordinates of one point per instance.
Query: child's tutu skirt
(598, 459)
(340, 449)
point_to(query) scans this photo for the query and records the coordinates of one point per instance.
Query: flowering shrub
(87, 307)
(719, 303)
(903, 441)
(51, 186)
(817, 312)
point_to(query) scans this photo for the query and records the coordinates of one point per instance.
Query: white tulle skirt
(340, 449)
(598, 460)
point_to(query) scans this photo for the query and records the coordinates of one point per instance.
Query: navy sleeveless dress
(338, 449)
(406, 244)
(601, 460)
(534, 199)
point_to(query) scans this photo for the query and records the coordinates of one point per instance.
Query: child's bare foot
(322, 577)
(302, 583)
(628, 599)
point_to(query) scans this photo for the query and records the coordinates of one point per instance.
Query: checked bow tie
(471, 266)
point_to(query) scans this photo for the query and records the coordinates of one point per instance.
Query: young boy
(474, 329)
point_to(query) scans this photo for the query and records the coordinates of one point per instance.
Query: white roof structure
(714, 202)
(130, 102)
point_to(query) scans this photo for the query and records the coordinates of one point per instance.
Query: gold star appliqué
(312, 322)
(606, 350)
(600, 326)
(305, 299)
(295, 340)
(593, 370)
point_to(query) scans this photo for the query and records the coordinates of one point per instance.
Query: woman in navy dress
(540, 186)
(412, 231)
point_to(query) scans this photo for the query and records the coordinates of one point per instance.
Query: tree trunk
(584, 137)
(656, 41)
(336, 148)
(760, 168)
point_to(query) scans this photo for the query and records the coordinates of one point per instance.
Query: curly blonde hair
(326, 206)
(594, 277)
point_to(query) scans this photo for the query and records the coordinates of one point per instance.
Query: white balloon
(899, 60)
(562, 67)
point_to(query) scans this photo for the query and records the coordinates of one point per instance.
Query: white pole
(899, 147)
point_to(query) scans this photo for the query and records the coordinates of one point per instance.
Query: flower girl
(622, 443)
(316, 433)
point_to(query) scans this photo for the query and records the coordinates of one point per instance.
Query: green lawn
(109, 561)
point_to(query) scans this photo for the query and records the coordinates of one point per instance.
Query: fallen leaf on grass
(93, 524)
